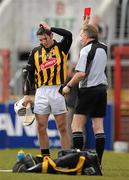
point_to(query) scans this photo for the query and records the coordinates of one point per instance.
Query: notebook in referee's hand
(61, 89)
(63, 85)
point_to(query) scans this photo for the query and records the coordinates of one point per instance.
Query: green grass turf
(115, 165)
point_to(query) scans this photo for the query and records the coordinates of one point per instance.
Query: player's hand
(45, 25)
(27, 100)
(66, 90)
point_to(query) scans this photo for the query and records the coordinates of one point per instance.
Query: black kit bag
(69, 162)
(25, 163)
(91, 165)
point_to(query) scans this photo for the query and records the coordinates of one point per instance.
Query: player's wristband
(70, 87)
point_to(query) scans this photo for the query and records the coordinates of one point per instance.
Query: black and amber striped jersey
(48, 66)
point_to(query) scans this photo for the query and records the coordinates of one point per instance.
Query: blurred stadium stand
(20, 19)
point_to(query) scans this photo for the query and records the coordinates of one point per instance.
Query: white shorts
(49, 100)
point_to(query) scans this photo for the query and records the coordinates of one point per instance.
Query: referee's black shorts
(92, 101)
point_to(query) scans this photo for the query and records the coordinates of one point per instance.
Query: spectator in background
(102, 29)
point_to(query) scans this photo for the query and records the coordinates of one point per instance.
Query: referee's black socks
(78, 140)
(100, 143)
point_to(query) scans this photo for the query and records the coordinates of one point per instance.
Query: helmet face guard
(19, 108)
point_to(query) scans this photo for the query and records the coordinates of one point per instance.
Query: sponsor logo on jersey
(48, 64)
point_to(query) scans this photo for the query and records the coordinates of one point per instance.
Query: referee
(92, 93)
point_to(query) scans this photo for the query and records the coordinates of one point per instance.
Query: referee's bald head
(91, 31)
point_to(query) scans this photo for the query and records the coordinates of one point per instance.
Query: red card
(87, 11)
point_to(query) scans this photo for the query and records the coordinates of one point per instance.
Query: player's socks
(45, 152)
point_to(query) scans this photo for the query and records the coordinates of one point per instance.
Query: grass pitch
(115, 165)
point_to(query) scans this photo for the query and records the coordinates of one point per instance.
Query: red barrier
(5, 74)
(118, 53)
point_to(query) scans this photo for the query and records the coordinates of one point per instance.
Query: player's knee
(62, 128)
(41, 127)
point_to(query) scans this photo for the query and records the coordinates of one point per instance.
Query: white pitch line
(6, 170)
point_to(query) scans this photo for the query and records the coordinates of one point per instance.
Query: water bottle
(20, 155)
